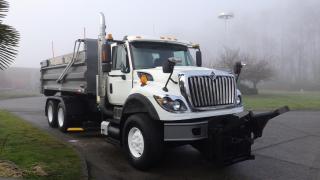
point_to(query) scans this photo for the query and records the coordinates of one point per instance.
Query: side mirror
(237, 68)
(106, 67)
(168, 66)
(198, 58)
(106, 58)
(106, 53)
(124, 68)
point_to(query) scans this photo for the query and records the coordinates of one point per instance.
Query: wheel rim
(50, 113)
(60, 117)
(135, 142)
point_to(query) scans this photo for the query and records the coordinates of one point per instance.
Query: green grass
(9, 94)
(28, 146)
(274, 99)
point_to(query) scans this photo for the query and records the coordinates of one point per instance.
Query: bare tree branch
(256, 69)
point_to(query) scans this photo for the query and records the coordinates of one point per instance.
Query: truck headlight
(171, 104)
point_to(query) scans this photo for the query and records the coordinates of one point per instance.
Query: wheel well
(47, 92)
(137, 103)
(78, 104)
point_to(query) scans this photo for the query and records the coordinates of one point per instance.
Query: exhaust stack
(102, 33)
(101, 42)
(101, 84)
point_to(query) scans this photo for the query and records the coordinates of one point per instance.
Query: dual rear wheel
(57, 115)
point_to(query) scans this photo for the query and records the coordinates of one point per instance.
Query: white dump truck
(145, 93)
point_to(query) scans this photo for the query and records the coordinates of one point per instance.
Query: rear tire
(62, 116)
(142, 141)
(51, 110)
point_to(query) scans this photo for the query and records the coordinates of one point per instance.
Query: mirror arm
(237, 69)
(238, 75)
(175, 82)
(165, 87)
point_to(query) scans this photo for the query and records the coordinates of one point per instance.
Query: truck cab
(137, 68)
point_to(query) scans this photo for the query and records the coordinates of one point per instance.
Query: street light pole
(226, 16)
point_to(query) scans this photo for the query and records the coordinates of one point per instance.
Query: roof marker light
(109, 37)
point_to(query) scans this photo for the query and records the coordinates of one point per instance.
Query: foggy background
(286, 32)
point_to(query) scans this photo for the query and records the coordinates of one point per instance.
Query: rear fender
(77, 107)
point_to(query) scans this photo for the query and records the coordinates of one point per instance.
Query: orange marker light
(109, 37)
(143, 79)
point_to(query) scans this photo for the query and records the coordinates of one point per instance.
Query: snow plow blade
(259, 121)
(231, 141)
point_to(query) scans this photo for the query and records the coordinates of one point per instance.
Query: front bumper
(226, 139)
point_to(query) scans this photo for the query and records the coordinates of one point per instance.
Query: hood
(159, 76)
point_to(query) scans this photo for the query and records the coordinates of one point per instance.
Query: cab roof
(166, 39)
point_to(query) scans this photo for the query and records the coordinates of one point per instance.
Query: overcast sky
(62, 21)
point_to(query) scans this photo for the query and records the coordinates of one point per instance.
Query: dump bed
(79, 78)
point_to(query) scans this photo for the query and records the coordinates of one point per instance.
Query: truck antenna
(84, 32)
(52, 49)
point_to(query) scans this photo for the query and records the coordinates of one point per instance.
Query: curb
(84, 165)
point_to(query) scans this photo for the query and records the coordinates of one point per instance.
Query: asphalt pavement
(289, 149)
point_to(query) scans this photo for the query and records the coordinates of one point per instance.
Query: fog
(286, 31)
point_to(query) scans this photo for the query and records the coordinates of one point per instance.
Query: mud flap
(230, 142)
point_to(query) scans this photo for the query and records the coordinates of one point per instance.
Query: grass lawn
(28, 148)
(9, 94)
(273, 99)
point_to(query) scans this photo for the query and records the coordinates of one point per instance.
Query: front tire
(143, 141)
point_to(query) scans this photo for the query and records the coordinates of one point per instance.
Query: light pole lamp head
(226, 16)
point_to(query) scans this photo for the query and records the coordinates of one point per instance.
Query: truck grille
(207, 92)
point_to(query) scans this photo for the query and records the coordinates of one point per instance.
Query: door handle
(123, 77)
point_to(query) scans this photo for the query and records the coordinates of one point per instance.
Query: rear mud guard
(231, 142)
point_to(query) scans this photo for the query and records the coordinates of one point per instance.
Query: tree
(255, 71)
(9, 39)
(229, 57)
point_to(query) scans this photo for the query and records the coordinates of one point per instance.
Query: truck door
(119, 79)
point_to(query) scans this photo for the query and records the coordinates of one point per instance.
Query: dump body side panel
(81, 76)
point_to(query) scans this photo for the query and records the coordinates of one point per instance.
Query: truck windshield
(151, 54)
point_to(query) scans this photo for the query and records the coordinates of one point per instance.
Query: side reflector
(75, 129)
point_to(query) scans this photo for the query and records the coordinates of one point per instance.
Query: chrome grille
(208, 92)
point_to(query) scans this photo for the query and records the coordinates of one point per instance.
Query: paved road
(290, 149)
